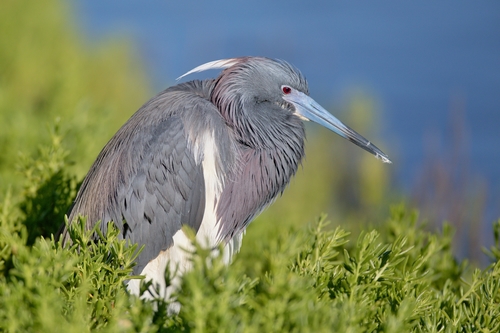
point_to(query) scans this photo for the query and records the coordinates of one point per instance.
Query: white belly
(177, 258)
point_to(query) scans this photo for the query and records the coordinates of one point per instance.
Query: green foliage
(494, 251)
(397, 277)
(47, 288)
(47, 72)
(48, 190)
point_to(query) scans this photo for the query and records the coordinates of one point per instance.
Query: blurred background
(420, 79)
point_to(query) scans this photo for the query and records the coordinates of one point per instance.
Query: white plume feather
(216, 64)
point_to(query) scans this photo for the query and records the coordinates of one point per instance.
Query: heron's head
(266, 97)
(249, 94)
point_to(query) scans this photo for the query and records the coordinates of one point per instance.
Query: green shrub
(398, 278)
(47, 72)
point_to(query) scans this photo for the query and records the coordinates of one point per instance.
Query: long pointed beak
(308, 108)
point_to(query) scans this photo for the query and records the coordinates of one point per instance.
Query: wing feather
(150, 173)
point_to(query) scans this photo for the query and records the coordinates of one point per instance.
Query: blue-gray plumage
(207, 154)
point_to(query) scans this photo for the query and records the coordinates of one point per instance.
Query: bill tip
(383, 158)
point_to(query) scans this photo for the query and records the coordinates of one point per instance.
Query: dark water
(429, 63)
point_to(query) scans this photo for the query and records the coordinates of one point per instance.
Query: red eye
(286, 90)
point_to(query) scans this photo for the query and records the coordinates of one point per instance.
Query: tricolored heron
(208, 154)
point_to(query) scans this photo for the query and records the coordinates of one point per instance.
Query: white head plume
(216, 64)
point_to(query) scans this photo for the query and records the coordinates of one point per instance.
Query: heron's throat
(263, 175)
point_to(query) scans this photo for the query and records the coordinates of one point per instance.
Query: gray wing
(166, 192)
(148, 174)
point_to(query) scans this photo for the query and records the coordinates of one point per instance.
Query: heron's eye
(286, 90)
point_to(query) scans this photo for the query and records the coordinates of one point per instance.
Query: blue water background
(422, 60)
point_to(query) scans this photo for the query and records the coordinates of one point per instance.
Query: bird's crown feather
(216, 64)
